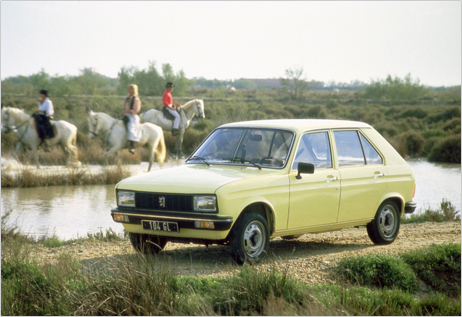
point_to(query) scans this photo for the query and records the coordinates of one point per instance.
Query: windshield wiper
(198, 158)
(232, 159)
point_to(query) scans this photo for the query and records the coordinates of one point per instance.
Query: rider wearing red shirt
(167, 100)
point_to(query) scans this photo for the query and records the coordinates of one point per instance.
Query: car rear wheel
(385, 226)
(146, 243)
(250, 238)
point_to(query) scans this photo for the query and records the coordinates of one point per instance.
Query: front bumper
(185, 221)
(409, 207)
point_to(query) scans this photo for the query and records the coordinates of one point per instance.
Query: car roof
(297, 124)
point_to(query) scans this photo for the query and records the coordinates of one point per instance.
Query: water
(73, 211)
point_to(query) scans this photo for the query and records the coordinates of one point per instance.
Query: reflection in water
(72, 211)
(67, 211)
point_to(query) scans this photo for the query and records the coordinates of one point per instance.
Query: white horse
(115, 134)
(14, 119)
(187, 112)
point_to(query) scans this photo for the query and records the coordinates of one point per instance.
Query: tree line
(151, 82)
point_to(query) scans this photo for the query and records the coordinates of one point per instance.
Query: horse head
(6, 120)
(199, 106)
(94, 125)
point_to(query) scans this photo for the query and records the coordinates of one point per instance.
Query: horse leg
(66, 153)
(152, 153)
(113, 150)
(179, 144)
(36, 158)
(19, 147)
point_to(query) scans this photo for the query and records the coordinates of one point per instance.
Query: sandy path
(307, 258)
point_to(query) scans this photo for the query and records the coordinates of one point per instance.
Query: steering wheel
(272, 161)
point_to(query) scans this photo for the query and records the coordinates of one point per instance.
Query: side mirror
(304, 168)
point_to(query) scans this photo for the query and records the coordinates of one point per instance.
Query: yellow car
(252, 181)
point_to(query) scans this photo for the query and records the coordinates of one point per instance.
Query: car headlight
(205, 203)
(126, 199)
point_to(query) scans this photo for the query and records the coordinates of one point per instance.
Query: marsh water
(73, 211)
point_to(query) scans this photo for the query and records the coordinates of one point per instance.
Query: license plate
(160, 226)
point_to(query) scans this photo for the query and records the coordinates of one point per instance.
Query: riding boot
(132, 147)
(175, 132)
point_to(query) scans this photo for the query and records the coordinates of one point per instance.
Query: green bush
(378, 270)
(446, 212)
(413, 143)
(438, 266)
(446, 150)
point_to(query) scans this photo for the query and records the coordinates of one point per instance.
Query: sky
(340, 41)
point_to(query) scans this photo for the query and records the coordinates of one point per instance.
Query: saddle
(167, 114)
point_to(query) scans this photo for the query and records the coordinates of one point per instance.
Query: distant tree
(150, 82)
(295, 82)
(396, 89)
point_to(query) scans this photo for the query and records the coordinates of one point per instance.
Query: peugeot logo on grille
(162, 201)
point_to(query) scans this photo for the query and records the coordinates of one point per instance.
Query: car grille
(164, 201)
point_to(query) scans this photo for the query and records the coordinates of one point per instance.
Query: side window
(372, 157)
(314, 148)
(349, 150)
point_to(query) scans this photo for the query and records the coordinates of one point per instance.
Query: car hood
(189, 179)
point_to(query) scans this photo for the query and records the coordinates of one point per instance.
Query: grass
(31, 178)
(144, 286)
(438, 266)
(424, 129)
(446, 212)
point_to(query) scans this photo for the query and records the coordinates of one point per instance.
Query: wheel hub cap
(254, 237)
(387, 221)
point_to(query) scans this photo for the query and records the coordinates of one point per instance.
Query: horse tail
(161, 150)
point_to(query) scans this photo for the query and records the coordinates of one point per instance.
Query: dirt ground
(309, 258)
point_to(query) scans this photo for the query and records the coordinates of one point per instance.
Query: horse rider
(42, 119)
(167, 100)
(131, 118)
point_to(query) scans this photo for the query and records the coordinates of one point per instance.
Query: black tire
(146, 243)
(250, 238)
(385, 227)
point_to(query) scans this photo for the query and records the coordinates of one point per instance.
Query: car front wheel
(146, 243)
(385, 226)
(250, 238)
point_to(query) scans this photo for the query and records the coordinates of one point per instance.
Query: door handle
(379, 175)
(330, 179)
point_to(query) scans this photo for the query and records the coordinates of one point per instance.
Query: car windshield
(255, 147)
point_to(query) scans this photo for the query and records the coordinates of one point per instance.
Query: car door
(314, 199)
(362, 174)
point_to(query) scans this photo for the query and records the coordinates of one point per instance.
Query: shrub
(378, 270)
(415, 113)
(413, 143)
(446, 212)
(446, 150)
(438, 266)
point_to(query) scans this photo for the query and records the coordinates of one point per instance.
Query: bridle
(94, 127)
(8, 129)
(201, 113)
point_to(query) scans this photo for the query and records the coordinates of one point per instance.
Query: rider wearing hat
(167, 100)
(42, 118)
